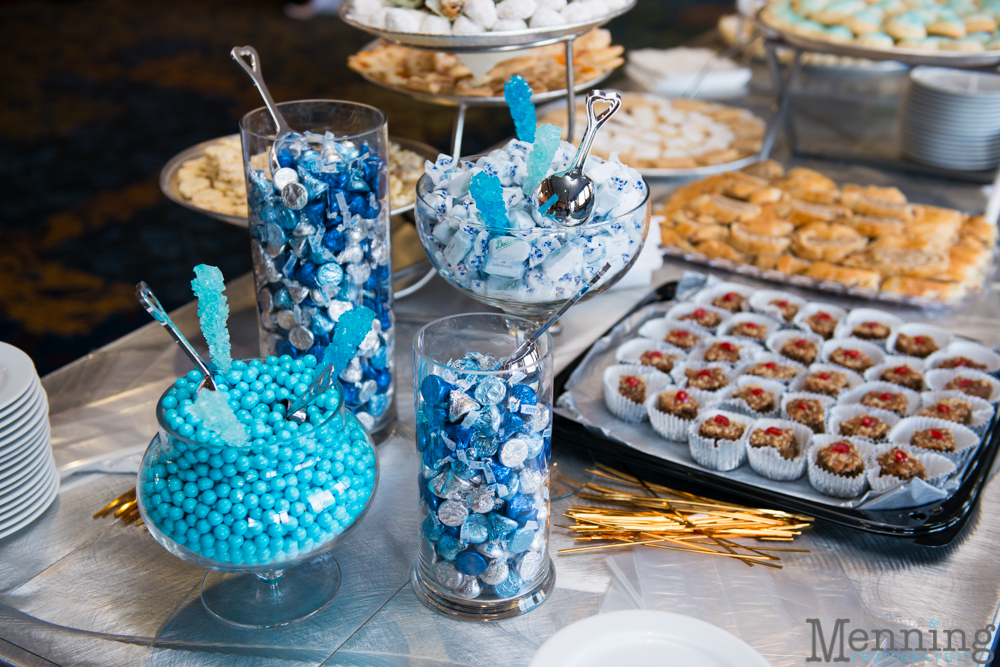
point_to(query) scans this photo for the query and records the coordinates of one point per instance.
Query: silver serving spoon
(153, 307)
(295, 410)
(524, 348)
(293, 194)
(574, 191)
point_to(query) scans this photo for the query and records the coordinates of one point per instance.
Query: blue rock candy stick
(517, 93)
(212, 408)
(544, 149)
(488, 194)
(213, 312)
(352, 327)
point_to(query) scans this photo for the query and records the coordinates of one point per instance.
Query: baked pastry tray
(581, 419)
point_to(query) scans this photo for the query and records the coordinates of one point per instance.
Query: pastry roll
(804, 212)
(724, 209)
(827, 241)
(741, 238)
(768, 169)
(976, 231)
(850, 192)
(669, 237)
(720, 250)
(849, 277)
(875, 227)
(931, 289)
(864, 205)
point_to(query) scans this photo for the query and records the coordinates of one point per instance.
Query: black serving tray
(935, 524)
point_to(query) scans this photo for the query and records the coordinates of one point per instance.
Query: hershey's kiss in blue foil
(491, 391)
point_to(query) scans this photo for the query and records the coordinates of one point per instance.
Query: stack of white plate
(951, 118)
(28, 478)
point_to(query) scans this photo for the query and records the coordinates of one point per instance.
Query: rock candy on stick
(213, 312)
(488, 194)
(212, 408)
(352, 327)
(517, 93)
(547, 138)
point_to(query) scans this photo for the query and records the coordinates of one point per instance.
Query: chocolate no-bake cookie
(899, 464)
(871, 331)
(721, 427)
(758, 398)
(706, 379)
(953, 409)
(904, 376)
(828, 383)
(678, 403)
(851, 358)
(886, 400)
(822, 324)
(731, 301)
(934, 439)
(723, 351)
(916, 346)
(782, 439)
(682, 338)
(706, 318)
(808, 411)
(801, 350)
(788, 309)
(749, 330)
(961, 362)
(658, 360)
(865, 426)
(773, 370)
(840, 458)
(971, 386)
(632, 387)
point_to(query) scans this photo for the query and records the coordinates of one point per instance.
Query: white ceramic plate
(645, 639)
(28, 424)
(9, 459)
(33, 511)
(26, 406)
(33, 492)
(17, 372)
(32, 466)
(21, 401)
(40, 429)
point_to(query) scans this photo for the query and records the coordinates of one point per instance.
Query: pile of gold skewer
(663, 518)
(125, 508)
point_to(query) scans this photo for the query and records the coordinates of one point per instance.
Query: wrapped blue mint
(319, 230)
(483, 438)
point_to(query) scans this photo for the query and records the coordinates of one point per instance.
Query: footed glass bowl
(529, 271)
(260, 518)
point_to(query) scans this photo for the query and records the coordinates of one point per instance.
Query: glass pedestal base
(485, 610)
(252, 601)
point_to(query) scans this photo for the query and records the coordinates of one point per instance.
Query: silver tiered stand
(490, 42)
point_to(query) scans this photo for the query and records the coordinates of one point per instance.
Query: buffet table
(80, 591)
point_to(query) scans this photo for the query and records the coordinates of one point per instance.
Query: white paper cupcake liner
(845, 329)
(830, 484)
(707, 295)
(777, 340)
(974, 351)
(982, 411)
(942, 337)
(673, 427)
(828, 403)
(843, 413)
(679, 374)
(622, 407)
(719, 455)
(688, 307)
(767, 462)
(814, 307)
(874, 374)
(761, 300)
(874, 352)
(938, 378)
(966, 441)
(747, 349)
(855, 395)
(853, 379)
(937, 469)
(657, 329)
(767, 324)
(632, 351)
(728, 401)
(770, 357)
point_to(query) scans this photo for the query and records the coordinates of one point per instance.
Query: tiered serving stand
(489, 42)
(776, 38)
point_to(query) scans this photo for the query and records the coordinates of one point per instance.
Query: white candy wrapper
(671, 426)
(828, 402)
(761, 300)
(937, 468)
(874, 374)
(708, 295)
(728, 400)
(854, 396)
(778, 340)
(657, 329)
(974, 351)
(942, 337)
(937, 379)
(872, 351)
(845, 329)
(765, 325)
(825, 481)
(632, 351)
(982, 411)
(843, 413)
(718, 454)
(812, 308)
(771, 358)
(853, 379)
(767, 462)
(747, 349)
(622, 407)
(966, 441)
(679, 374)
(688, 307)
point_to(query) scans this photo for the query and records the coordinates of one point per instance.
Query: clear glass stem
(271, 577)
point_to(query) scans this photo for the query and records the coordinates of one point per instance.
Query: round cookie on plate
(965, 354)
(626, 387)
(731, 297)
(776, 448)
(648, 352)
(808, 409)
(867, 324)
(799, 346)
(672, 410)
(776, 304)
(851, 353)
(827, 379)
(958, 408)
(891, 465)
(837, 465)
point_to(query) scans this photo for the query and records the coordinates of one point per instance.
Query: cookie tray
(638, 449)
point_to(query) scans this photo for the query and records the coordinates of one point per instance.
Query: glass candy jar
(483, 438)
(319, 230)
(261, 518)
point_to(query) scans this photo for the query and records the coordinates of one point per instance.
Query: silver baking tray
(957, 59)
(472, 100)
(487, 41)
(168, 176)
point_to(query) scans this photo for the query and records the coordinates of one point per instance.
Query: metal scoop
(573, 190)
(293, 194)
